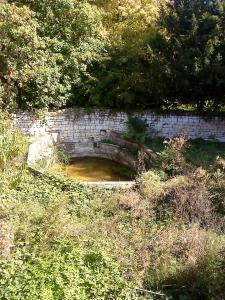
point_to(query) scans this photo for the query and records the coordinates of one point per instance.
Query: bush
(13, 145)
(137, 130)
(64, 272)
(172, 158)
(150, 185)
(189, 199)
(187, 264)
(217, 190)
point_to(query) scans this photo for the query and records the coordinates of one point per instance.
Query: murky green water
(96, 169)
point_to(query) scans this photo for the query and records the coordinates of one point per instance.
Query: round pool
(95, 169)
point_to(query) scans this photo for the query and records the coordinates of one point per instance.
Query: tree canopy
(195, 50)
(114, 53)
(45, 47)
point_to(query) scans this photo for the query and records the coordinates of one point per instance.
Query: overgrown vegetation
(136, 130)
(12, 143)
(121, 54)
(163, 239)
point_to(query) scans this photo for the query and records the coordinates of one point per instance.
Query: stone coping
(109, 184)
(104, 184)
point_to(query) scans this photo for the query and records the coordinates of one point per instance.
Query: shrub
(64, 272)
(13, 145)
(189, 199)
(217, 189)
(186, 199)
(172, 159)
(150, 185)
(137, 130)
(130, 201)
(188, 264)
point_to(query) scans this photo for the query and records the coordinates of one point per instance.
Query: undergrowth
(162, 239)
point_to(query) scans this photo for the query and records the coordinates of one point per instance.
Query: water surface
(95, 169)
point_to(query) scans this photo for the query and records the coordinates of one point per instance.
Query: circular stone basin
(97, 169)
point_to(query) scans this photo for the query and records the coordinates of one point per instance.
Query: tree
(114, 53)
(18, 35)
(194, 50)
(128, 75)
(45, 48)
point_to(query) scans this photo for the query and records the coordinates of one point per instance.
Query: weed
(137, 130)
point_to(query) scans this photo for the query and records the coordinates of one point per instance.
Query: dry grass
(166, 232)
(183, 198)
(190, 198)
(175, 253)
(178, 145)
(220, 163)
(150, 186)
(6, 240)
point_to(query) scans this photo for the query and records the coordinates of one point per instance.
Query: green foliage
(45, 48)
(60, 156)
(203, 153)
(61, 249)
(200, 153)
(193, 51)
(13, 145)
(129, 74)
(175, 60)
(137, 130)
(79, 213)
(19, 50)
(64, 272)
(121, 54)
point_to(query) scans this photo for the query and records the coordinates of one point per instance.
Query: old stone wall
(78, 130)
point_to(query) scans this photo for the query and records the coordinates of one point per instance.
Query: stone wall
(78, 131)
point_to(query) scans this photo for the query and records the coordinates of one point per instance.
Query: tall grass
(13, 145)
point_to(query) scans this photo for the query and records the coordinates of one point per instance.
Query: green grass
(200, 152)
(203, 153)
